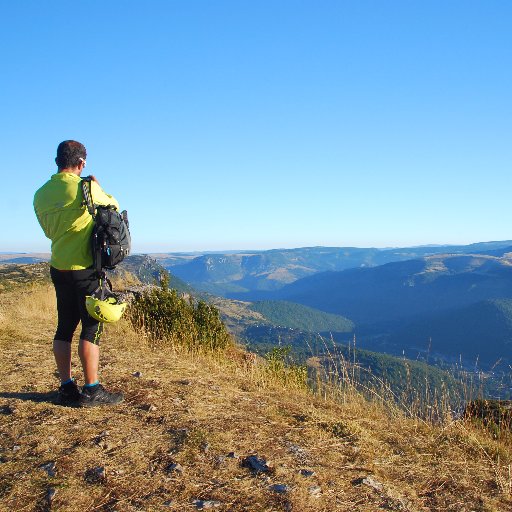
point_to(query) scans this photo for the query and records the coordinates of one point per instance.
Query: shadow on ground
(31, 396)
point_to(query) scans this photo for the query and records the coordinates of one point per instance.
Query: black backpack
(111, 240)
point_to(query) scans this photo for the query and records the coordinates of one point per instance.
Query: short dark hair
(69, 153)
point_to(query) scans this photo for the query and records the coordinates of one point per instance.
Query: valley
(445, 307)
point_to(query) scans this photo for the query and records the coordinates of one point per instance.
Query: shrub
(166, 317)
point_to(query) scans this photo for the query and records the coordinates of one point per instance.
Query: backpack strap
(87, 191)
(96, 247)
(97, 259)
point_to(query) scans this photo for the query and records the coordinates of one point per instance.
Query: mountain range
(404, 289)
(437, 303)
(250, 272)
(453, 306)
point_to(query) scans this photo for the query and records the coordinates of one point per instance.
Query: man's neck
(72, 170)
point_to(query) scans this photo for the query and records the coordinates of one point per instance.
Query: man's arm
(99, 196)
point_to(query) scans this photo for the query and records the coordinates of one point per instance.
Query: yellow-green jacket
(60, 209)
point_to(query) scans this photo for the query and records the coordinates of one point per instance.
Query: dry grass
(121, 278)
(13, 275)
(194, 409)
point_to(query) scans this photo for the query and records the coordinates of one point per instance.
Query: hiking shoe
(68, 395)
(99, 396)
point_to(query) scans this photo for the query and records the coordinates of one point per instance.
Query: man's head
(70, 155)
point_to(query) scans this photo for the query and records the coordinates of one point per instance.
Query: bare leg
(89, 356)
(62, 353)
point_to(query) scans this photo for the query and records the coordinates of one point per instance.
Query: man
(62, 213)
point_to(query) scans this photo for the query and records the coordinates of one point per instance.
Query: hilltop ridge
(233, 273)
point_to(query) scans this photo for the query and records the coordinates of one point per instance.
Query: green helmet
(103, 305)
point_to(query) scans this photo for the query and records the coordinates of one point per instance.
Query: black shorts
(71, 288)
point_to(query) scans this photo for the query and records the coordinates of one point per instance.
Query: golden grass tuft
(195, 409)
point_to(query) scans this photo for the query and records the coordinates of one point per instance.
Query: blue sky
(265, 124)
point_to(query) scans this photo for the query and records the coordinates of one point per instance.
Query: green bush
(166, 317)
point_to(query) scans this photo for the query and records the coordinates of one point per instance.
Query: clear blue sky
(261, 124)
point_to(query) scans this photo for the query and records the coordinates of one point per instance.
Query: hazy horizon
(275, 248)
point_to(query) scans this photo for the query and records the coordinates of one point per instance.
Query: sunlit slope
(184, 436)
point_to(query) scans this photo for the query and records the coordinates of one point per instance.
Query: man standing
(62, 213)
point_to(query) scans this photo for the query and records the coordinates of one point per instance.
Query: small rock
(182, 433)
(205, 446)
(184, 382)
(280, 488)
(370, 482)
(7, 409)
(232, 455)
(50, 495)
(100, 438)
(306, 473)
(96, 475)
(16, 448)
(205, 505)
(296, 449)
(50, 468)
(220, 459)
(148, 407)
(300, 453)
(137, 374)
(255, 464)
(167, 503)
(315, 491)
(174, 467)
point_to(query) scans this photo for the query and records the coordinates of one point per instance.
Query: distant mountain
(23, 257)
(480, 332)
(247, 274)
(23, 260)
(462, 303)
(227, 274)
(499, 252)
(398, 291)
